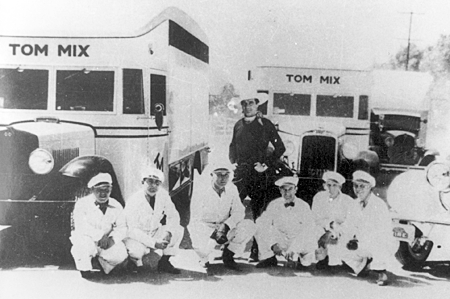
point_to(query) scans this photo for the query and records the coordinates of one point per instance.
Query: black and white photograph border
(166, 81)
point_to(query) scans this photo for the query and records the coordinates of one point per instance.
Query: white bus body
(137, 100)
(322, 114)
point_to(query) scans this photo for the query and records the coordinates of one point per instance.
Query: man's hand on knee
(277, 249)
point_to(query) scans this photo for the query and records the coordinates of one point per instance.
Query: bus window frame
(355, 106)
(49, 84)
(116, 82)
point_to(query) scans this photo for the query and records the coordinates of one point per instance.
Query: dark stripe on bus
(357, 134)
(181, 39)
(130, 128)
(360, 129)
(130, 136)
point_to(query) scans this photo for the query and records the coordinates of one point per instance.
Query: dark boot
(228, 260)
(270, 262)
(165, 266)
(254, 252)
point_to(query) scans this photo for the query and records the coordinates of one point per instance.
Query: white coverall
(211, 210)
(372, 227)
(144, 225)
(90, 226)
(326, 211)
(293, 228)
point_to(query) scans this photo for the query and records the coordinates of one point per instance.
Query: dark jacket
(250, 142)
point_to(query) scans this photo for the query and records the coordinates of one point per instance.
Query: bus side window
(133, 92)
(363, 112)
(157, 94)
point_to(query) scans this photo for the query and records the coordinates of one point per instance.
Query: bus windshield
(83, 90)
(334, 106)
(291, 104)
(23, 89)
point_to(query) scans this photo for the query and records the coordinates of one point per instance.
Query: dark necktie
(152, 202)
(289, 204)
(102, 205)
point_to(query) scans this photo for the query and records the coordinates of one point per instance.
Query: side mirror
(159, 115)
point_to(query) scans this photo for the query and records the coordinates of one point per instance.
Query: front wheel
(413, 257)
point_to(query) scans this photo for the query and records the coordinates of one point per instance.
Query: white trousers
(237, 237)
(302, 243)
(84, 249)
(137, 250)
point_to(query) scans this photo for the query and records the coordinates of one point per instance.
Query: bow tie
(289, 204)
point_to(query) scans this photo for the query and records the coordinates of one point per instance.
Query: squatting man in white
(99, 228)
(218, 219)
(286, 228)
(153, 223)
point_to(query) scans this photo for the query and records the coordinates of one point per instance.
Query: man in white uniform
(99, 228)
(153, 223)
(368, 230)
(330, 209)
(219, 220)
(286, 228)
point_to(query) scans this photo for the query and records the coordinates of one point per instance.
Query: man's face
(249, 107)
(102, 192)
(288, 191)
(152, 185)
(220, 178)
(333, 188)
(362, 189)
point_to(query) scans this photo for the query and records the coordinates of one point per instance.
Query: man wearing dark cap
(255, 159)
(153, 223)
(218, 219)
(100, 227)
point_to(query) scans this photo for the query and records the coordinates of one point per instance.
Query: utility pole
(411, 13)
(409, 40)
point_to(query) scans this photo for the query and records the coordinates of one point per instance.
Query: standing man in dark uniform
(256, 162)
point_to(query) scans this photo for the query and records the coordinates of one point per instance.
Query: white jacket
(214, 209)
(143, 222)
(90, 221)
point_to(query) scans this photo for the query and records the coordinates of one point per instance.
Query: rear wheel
(413, 257)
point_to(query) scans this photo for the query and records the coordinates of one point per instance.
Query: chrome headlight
(41, 161)
(349, 150)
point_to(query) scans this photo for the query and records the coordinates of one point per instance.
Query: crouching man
(153, 223)
(219, 220)
(286, 228)
(99, 228)
(368, 230)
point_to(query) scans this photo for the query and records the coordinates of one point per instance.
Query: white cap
(333, 175)
(153, 173)
(100, 178)
(286, 180)
(360, 175)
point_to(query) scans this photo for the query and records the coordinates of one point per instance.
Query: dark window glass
(181, 39)
(296, 104)
(334, 106)
(363, 107)
(23, 89)
(133, 92)
(85, 91)
(157, 93)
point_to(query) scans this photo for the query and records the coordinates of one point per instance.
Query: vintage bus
(322, 117)
(73, 105)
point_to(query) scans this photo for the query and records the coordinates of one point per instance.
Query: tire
(413, 257)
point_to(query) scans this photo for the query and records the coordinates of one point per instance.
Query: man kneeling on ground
(220, 220)
(286, 228)
(153, 223)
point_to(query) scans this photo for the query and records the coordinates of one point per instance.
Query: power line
(411, 13)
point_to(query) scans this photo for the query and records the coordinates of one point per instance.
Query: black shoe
(165, 266)
(228, 260)
(382, 279)
(87, 274)
(270, 262)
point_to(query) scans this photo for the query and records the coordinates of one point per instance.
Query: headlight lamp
(41, 161)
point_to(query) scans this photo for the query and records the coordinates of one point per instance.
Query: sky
(350, 34)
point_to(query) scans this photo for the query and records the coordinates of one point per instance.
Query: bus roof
(69, 30)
